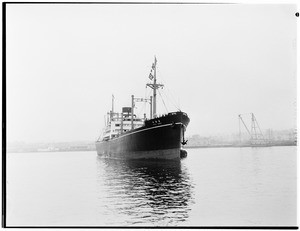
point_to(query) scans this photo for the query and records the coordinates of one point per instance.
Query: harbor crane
(256, 135)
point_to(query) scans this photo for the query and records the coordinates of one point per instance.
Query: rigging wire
(162, 100)
(172, 99)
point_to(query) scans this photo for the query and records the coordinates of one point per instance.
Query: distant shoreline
(54, 151)
(186, 147)
(238, 146)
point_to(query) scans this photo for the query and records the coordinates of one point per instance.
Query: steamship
(128, 137)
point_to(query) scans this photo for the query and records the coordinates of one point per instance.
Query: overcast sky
(216, 61)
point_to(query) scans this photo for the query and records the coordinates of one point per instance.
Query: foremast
(154, 86)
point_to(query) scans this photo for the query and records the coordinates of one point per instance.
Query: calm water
(211, 187)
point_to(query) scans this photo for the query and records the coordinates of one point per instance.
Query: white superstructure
(116, 126)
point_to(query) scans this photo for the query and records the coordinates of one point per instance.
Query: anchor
(184, 142)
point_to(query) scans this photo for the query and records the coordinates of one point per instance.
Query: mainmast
(112, 103)
(154, 86)
(112, 107)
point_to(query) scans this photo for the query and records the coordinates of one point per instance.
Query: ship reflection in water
(144, 192)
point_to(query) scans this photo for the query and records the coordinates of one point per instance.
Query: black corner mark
(297, 14)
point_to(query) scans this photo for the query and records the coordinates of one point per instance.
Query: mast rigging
(154, 86)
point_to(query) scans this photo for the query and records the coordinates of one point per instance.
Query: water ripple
(146, 192)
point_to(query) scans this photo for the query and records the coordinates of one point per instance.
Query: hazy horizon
(64, 62)
(233, 134)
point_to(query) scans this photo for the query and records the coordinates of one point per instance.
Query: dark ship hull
(159, 138)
